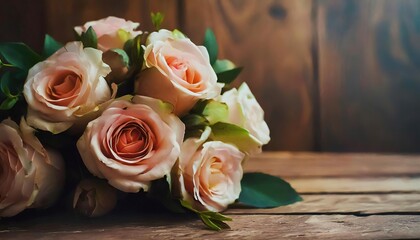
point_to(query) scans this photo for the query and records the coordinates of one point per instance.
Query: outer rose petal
(210, 173)
(39, 181)
(134, 173)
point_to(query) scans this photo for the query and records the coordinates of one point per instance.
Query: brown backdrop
(331, 75)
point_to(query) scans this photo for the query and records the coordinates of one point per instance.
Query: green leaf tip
(89, 38)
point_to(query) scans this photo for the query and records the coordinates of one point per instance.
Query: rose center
(64, 86)
(133, 141)
(183, 70)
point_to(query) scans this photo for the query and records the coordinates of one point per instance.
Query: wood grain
(301, 164)
(369, 66)
(243, 227)
(272, 40)
(64, 15)
(357, 204)
(355, 185)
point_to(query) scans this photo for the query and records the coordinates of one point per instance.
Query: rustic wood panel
(243, 227)
(357, 204)
(356, 185)
(292, 165)
(369, 68)
(64, 15)
(272, 40)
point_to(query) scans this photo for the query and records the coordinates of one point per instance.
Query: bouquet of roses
(125, 111)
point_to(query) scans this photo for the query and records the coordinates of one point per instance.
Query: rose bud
(66, 87)
(177, 71)
(112, 32)
(209, 173)
(245, 112)
(30, 175)
(94, 198)
(132, 143)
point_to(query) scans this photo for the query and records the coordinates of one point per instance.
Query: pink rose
(178, 72)
(112, 32)
(246, 112)
(31, 176)
(132, 143)
(210, 173)
(65, 87)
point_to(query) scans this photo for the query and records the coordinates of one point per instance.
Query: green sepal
(233, 134)
(211, 45)
(229, 76)
(50, 46)
(89, 38)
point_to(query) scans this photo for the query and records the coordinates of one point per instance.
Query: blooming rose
(112, 32)
(245, 112)
(30, 176)
(210, 173)
(66, 86)
(132, 143)
(178, 72)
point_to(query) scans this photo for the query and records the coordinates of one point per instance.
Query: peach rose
(246, 112)
(65, 87)
(132, 143)
(210, 173)
(30, 175)
(178, 72)
(112, 32)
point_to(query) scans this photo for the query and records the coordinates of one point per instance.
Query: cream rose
(112, 32)
(65, 87)
(30, 175)
(245, 112)
(209, 173)
(132, 143)
(177, 71)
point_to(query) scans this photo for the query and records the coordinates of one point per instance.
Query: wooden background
(331, 75)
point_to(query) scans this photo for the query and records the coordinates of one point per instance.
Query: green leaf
(50, 46)
(8, 103)
(214, 224)
(229, 76)
(157, 19)
(89, 38)
(123, 55)
(7, 83)
(216, 112)
(211, 45)
(265, 191)
(233, 134)
(19, 55)
(178, 34)
(193, 120)
(223, 65)
(135, 52)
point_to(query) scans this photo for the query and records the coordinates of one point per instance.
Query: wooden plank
(22, 21)
(290, 165)
(369, 68)
(272, 40)
(64, 15)
(355, 185)
(357, 204)
(243, 227)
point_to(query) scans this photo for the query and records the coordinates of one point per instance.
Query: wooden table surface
(346, 196)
